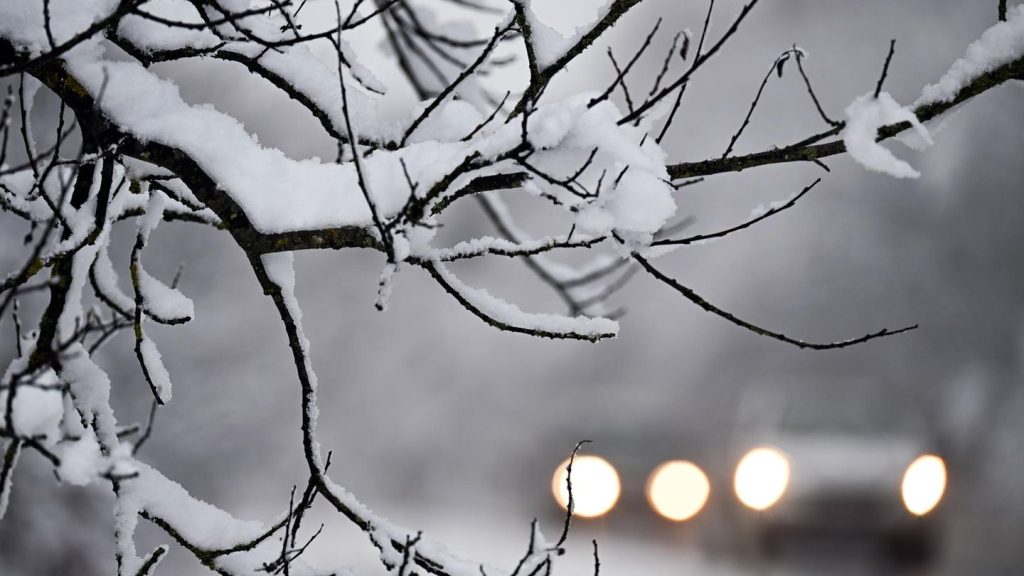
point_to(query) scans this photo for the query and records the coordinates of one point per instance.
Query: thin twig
(767, 214)
(885, 69)
(692, 296)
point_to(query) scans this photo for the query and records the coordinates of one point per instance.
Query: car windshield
(860, 408)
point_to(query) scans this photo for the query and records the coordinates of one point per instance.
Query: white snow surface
(1001, 44)
(301, 68)
(163, 301)
(22, 21)
(38, 408)
(106, 280)
(81, 461)
(278, 194)
(863, 119)
(510, 314)
(155, 368)
(202, 524)
(90, 391)
(71, 316)
(449, 122)
(642, 200)
(549, 45)
(151, 36)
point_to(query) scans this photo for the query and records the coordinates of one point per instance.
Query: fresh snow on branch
(863, 119)
(1001, 44)
(548, 44)
(509, 314)
(38, 408)
(146, 155)
(23, 21)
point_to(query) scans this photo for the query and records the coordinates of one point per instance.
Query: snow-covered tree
(127, 150)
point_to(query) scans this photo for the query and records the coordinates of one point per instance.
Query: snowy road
(499, 542)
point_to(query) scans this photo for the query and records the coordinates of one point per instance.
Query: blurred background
(443, 424)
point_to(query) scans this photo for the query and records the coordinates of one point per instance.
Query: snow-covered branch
(145, 156)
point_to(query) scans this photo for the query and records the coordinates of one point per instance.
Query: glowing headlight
(678, 490)
(924, 482)
(595, 486)
(761, 478)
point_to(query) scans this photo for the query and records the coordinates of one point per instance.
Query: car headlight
(762, 477)
(595, 486)
(678, 490)
(924, 483)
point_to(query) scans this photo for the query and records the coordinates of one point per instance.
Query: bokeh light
(678, 490)
(924, 483)
(595, 486)
(761, 478)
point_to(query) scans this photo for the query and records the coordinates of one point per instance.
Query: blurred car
(631, 481)
(822, 463)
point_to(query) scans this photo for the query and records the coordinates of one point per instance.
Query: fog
(441, 423)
